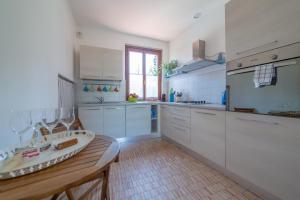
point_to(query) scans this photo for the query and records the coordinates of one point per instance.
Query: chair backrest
(77, 125)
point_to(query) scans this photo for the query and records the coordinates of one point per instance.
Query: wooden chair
(104, 176)
(77, 125)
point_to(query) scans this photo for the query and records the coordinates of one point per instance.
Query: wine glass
(20, 124)
(67, 117)
(36, 117)
(50, 119)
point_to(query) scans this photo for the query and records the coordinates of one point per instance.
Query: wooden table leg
(105, 187)
(117, 158)
(86, 193)
(70, 195)
(54, 197)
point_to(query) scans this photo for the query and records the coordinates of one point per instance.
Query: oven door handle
(258, 121)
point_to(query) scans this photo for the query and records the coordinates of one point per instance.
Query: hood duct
(198, 50)
(199, 59)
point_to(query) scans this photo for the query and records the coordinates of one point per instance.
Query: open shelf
(154, 121)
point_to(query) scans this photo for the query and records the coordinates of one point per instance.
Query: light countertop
(209, 106)
(201, 106)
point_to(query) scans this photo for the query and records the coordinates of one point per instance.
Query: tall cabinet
(254, 26)
(265, 151)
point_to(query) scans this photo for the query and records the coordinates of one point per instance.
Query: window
(143, 76)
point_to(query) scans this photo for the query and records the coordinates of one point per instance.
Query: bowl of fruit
(133, 97)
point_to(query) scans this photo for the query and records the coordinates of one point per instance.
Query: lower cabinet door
(92, 118)
(164, 120)
(179, 134)
(138, 120)
(265, 150)
(114, 121)
(208, 134)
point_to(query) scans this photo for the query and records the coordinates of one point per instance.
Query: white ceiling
(159, 19)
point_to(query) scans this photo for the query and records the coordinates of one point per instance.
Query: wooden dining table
(91, 164)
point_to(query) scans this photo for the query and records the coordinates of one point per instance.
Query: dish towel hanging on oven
(265, 75)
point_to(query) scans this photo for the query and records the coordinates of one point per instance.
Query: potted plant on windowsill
(169, 67)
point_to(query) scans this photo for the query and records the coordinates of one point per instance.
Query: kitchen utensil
(163, 97)
(92, 89)
(110, 89)
(50, 118)
(67, 117)
(99, 88)
(105, 89)
(20, 123)
(3, 157)
(116, 89)
(85, 88)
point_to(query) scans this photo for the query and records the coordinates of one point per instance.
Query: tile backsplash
(206, 84)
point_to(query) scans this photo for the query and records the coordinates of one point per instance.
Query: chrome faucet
(100, 100)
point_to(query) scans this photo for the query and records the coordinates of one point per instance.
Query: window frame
(144, 51)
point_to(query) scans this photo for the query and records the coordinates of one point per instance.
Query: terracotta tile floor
(157, 170)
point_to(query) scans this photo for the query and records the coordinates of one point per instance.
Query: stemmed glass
(67, 117)
(20, 124)
(36, 117)
(50, 119)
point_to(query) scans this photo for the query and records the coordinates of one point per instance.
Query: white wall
(210, 27)
(106, 38)
(37, 42)
(206, 84)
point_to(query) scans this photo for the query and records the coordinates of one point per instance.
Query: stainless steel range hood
(198, 50)
(199, 61)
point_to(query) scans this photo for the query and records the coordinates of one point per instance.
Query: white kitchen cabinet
(179, 134)
(100, 63)
(208, 134)
(254, 26)
(114, 121)
(179, 121)
(164, 121)
(90, 63)
(265, 151)
(175, 123)
(92, 118)
(138, 120)
(112, 68)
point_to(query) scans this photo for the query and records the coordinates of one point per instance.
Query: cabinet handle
(92, 109)
(90, 76)
(258, 121)
(241, 52)
(206, 113)
(181, 129)
(177, 118)
(274, 57)
(113, 108)
(138, 107)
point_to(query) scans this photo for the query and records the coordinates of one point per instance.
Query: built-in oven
(266, 83)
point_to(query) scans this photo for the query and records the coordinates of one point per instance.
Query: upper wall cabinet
(100, 63)
(254, 26)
